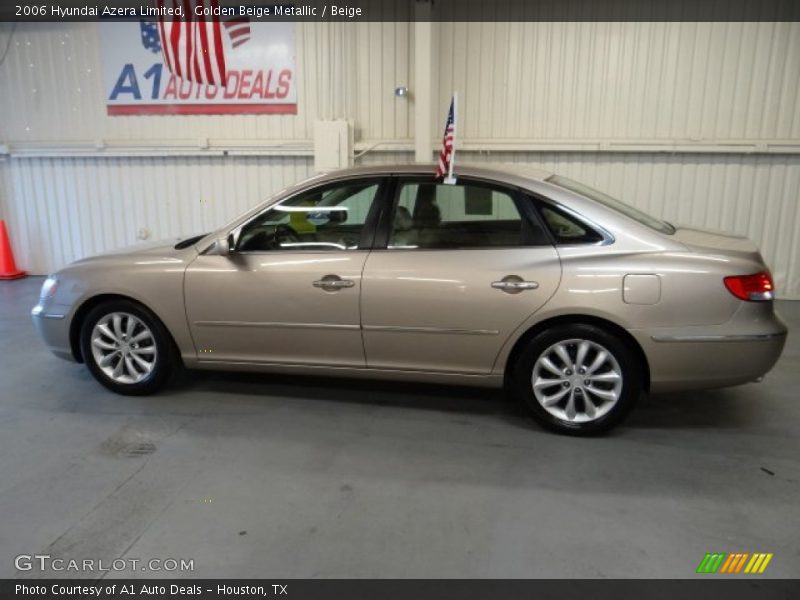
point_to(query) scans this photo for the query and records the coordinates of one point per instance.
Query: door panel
(289, 293)
(436, 310)
(267, 308)
(464, 266)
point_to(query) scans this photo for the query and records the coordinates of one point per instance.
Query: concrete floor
(268, 476)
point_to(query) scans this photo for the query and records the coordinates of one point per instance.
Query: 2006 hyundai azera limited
(573, 300)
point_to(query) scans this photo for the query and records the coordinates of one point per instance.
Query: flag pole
(450, 179)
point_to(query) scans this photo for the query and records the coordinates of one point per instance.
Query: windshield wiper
(185, 243)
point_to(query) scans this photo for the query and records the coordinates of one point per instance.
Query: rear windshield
(614, 204)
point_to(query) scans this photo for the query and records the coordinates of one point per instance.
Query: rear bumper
(53, 328)
(719, 356)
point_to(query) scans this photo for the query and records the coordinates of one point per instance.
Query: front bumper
(53, 327)
(740, 351)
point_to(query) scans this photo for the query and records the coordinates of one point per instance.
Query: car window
(566, 229)
(466, 215)
(614, 204)
(326, 218)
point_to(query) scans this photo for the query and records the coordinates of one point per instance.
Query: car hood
(717, 242)
(156, 248)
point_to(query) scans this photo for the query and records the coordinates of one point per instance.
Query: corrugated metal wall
(725, 94)
(521, 81)
(5, 187)
(67, 208)
(636, 81)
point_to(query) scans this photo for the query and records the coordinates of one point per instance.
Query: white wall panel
(633, 80)
(530, 81)
(65, 209)
(5, 187)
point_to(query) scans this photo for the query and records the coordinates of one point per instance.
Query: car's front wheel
(578, 379)
(126, 348)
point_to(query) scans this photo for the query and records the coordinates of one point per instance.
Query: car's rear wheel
(126, 348)
(578, 379)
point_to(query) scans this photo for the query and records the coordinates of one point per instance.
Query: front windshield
(614, 204)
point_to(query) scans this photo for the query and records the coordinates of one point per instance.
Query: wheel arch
(578, 319)
(85, 308)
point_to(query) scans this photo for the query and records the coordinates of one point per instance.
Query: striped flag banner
(448, 151)
(193, 48)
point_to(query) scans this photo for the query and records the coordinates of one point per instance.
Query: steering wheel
(283, 234)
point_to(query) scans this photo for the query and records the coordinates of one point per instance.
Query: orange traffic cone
(8, 269)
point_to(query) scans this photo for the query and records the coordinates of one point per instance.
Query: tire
(132, 368)
(549, 374)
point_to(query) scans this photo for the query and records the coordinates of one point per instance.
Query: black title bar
(745, 587)
(419, 10)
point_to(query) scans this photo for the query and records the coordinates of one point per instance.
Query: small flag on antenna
(448, 151)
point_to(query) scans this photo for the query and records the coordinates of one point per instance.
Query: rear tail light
(755, 288)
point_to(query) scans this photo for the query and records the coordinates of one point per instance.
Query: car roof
(503, 172)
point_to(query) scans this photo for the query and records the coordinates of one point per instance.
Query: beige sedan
(573, 300)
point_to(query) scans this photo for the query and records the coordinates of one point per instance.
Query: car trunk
(716, 242)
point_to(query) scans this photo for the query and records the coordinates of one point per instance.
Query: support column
(423, 82)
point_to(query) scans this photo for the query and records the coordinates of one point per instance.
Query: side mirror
(222, 246)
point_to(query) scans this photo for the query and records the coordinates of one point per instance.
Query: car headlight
(48, 288)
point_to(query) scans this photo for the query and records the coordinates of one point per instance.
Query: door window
(466, 215)
(326, 218)
(567, 229)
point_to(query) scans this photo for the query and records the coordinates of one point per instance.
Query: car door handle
(514, 285)
(333, 282)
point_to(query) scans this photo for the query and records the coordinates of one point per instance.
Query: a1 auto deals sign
(260, 64)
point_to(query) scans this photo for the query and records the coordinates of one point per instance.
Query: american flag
(446, 154)
(150, 36)
(192, 46)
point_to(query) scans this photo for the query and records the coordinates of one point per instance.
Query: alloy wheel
(123, 347)
(577, 380)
